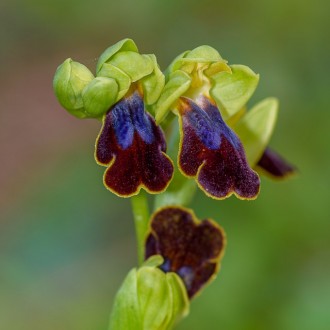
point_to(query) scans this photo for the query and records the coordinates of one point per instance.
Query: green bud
(99, 95)
(256, 127)
(232, 90)
(149, 299)
(69, 81)
(123, 45)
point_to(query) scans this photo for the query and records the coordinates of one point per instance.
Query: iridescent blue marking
(209, 125)
(129, 116)
(204, 127)
(140, 119)
(187, 274)
(166, 266)
(122, 123)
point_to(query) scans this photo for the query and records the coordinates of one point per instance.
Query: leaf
(256, 127)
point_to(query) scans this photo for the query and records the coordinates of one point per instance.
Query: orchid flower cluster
(169, 133)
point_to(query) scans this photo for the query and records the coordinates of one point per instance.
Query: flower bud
(99, 95)
(149, 299)
(69, 81)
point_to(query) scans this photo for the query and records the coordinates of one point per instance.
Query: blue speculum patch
(133, 147)
(129, 117)
(212, 153)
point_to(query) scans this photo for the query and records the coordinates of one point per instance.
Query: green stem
(140, 211)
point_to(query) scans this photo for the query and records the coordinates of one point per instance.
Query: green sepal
(178, 83)
(123, 45)
(99, 95)
(136, 66)
(153, 84)
(149, 299)
(256, 127)
(122, 79)
(69, 81)
(231, 91)
(202, 56)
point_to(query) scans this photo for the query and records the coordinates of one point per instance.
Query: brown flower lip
(191, 248)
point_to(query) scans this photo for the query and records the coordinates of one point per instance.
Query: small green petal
(231, 91)
(99, 95)
(217, 67)
(179, 82)
(69, 81)
(122, 79)
(123, 45)
(153, 84)
(154, 261)
(136, 66)
(256, 127)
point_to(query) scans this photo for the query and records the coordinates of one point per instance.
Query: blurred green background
(66, 243)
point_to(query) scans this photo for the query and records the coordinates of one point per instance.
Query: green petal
(256, 127)
(99, 95)
(136, 66)
(69, 81)
(231, 91)
(179, 82)
(153, 84)
(123, 45)
(122, 79)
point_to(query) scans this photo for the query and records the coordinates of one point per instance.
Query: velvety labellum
(273, 164)
(212, 153)
(133, 147)
(190, 248)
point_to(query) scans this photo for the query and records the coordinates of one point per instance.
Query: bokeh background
(66, 243)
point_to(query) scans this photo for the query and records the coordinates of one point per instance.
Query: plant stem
(140, 211)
